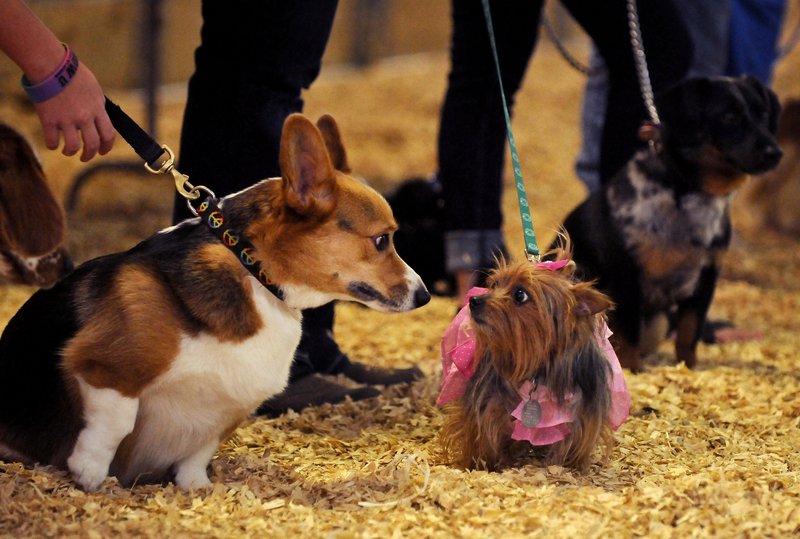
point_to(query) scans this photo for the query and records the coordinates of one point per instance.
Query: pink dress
(458, 354)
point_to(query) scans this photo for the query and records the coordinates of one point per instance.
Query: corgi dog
(138, 364)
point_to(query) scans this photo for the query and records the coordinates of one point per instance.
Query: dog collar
(538, 418)
(650, 132)
(211, 214)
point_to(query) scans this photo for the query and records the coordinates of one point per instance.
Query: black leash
(144, 146)
(161, 160)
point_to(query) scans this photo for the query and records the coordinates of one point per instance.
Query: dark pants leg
(254, 60)
(472, 133)
(668, 49)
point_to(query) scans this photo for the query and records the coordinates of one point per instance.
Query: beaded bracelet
(52, 85)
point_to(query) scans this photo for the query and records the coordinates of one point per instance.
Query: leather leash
(161, 160)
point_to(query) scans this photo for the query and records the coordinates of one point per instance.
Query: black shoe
(312, 390)
(363, 374)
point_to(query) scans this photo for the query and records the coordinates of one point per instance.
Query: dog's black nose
(421, 297)
(773, 153)
(69, 265)
(475, 302)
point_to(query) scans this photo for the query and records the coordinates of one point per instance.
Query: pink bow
(458, 354)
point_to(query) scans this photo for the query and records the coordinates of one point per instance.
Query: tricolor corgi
(138, 364)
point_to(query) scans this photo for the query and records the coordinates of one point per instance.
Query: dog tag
(531, 413)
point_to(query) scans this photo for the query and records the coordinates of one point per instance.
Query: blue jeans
(755, 29)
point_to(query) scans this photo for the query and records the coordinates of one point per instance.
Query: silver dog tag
(531, 413)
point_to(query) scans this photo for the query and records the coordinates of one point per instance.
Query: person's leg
(668, 50)
(707, 22)
(754, 33)
(587, 164)
(250, 69)
(472, 131)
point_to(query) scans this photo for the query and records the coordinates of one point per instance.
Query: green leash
(531, 247)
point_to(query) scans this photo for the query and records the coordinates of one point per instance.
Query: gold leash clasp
(166, 165)
(532, 258)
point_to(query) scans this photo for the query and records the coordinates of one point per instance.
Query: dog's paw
(188, 479)
(88, 472)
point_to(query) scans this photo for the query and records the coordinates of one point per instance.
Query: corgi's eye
(520, 296)
(381, 242)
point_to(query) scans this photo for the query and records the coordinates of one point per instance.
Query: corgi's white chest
(212, 385)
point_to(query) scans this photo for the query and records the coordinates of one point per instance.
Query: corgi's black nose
(421, 297)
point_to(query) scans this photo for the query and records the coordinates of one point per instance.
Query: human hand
(80, 106)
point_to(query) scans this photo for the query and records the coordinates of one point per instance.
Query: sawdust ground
(706, 452)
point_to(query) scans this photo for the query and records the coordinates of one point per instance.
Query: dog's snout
(421, 297)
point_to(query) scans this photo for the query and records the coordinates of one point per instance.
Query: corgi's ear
(333, 141)
(589, 301)
(308, 176)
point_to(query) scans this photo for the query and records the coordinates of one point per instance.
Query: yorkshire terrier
(527, 362)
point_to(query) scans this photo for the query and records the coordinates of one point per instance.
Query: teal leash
(531, 247)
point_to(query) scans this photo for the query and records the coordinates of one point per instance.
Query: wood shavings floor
(710, 452)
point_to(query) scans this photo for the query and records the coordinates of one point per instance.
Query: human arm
(79, 107)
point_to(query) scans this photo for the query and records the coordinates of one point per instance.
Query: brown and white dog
(31, 220)
(138, 364)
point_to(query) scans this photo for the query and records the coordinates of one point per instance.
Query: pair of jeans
(754, 34)
(471, 145)
(254, 60)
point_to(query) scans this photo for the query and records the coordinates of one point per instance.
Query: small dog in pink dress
(527, 362)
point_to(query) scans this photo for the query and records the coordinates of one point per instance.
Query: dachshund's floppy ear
(589, 301)
(31, 220)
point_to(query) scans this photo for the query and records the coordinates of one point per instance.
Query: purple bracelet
(52, 85)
